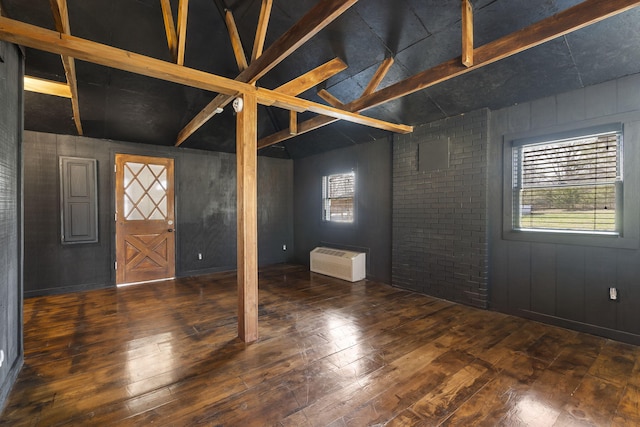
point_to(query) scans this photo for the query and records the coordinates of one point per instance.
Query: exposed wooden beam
(60, 15)
(293, 123)
(236, 42)
(170, 29)
(47, 87)
(293, 88)
(85, 50)
(321, 15)
(261, 31)
(572, 19)
(210, 110)
(579, 16)
(288, 102)
(183, 12)
(61, 19)
(247, 218)
(331, 100)
(467, 33)
(304, 127)
(380, 73)
(313, 78)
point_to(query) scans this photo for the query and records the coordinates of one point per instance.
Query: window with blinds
(338, 192)
(569, 185)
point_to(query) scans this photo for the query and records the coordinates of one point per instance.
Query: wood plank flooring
(330, 353)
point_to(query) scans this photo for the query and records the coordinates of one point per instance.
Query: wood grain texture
(181, 30)
(61, 19)
(378, 76)
(312, 78)
(330, 98)
(572, 19)
(321, 15)
(247, 218)
(261, 30)
(47, 87)
(579, 16)
(329, 353)
(236, 42)
(145, 243)
(467, 33)
(170, 29)
(50, 41)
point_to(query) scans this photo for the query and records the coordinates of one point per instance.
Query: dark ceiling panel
(431, 51)
(44, 65)
(490, 23)
(607, 48)
(394, 23)
(46, 113)
(418, 33)
(542, 71)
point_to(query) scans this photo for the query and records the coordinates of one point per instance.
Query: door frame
(114, 202)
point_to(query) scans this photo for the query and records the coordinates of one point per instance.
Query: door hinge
(115, 217)
(115, 265)
(115, 168)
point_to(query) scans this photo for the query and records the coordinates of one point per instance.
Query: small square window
(338, 193)
(571, 184)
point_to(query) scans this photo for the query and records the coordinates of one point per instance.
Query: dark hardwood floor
(330, 353)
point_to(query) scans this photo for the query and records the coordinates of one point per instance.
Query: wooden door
(145, 228)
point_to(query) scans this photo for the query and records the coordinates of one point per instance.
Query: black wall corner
(11, 76)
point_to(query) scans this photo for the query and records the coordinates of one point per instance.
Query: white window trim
(326, 217)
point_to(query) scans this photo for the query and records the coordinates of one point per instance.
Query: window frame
(518, 185)
(629, 230)
(324, 190)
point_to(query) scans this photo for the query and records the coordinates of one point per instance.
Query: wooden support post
(467, 33)
(247, 162)
(293, 123)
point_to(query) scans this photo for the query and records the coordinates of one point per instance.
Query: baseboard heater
(345, 265)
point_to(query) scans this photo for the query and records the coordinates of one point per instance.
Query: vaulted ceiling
(417, 34)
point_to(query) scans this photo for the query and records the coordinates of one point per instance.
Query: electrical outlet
(284, 247)
(200, 256)
(613, 294)
(1, 357)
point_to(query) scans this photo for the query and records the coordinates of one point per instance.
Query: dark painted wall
(205, 212)
(371, 230)
(10, 217)
(439, 209)
(556, 281)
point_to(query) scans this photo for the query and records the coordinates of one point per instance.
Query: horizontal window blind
(338, 193)
(571, 185)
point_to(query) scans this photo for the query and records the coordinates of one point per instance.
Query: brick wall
(439, 242)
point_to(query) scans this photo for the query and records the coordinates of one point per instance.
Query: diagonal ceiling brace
(236, 42)
(86, 50)
(61, 18)
(321, 15)
(261, 30)
(183, 9)
(170, 29)
(579, 16)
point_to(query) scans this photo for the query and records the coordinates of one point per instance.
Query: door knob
(170, 230)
